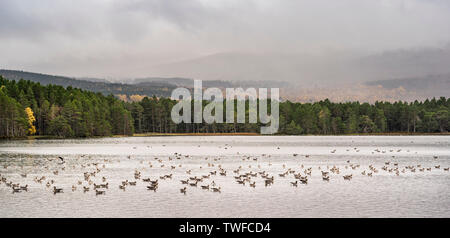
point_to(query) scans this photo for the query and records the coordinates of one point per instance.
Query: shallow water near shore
(411, 193)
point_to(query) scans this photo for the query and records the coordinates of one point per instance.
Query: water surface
(385, 194)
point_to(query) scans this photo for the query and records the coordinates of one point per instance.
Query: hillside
(428, 86)
(157, 88)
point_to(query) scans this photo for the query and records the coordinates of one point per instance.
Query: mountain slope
(158, 89)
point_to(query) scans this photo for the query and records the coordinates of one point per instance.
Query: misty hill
(428, 86)
(189, 83)
(94, 79)
(173, 81)
(406, 63)
(330, 68)
(150, 88)
(243, 67)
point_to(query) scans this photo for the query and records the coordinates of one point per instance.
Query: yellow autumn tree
(137, 97)
(31, 120)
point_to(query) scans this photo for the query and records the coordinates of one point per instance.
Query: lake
(409, 176)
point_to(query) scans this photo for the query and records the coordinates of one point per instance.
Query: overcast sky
(113, 38)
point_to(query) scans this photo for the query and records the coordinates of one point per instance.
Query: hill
(156, 88)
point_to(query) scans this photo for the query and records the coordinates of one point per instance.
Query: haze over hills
(310, 49)
(331, 68)
(140, 87)
(340, 76)
(406, 63)
(156, 88)
(431, 85)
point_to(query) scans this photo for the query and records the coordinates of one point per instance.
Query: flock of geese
(94, 180)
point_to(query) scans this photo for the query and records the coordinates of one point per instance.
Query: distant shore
(257, 134)
(230, 134)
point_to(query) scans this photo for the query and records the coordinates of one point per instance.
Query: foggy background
(320, 43)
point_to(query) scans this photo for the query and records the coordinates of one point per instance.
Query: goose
(193, 184)
(24, 188)
(216, 189)
(294, 183)
(132, 183)
(154, 184)
(184, 181)
(122, 187)
(347, 177)
(74, 188)
(324, 173)
(240, 182)
(253, 185)
(99, 192)
(304, 180)
(326, 178)
(57, 190)
(85, 189)
(268, 182)
(205, 187)
(183, 190)
(446, 169)
(104, 185)
(152, 187)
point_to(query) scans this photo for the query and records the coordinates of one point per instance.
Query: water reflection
(255, 176)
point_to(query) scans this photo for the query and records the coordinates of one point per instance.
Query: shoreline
(257, 134)
(154, 134)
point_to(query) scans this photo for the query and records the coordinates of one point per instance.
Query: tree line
(28, 108)
(60, 112)
(320, 118)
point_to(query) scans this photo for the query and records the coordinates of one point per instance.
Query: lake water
(398, 188)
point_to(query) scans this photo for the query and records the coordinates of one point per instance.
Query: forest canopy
(30, 108)
(58, 111)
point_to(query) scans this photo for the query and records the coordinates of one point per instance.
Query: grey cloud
(128, 38)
